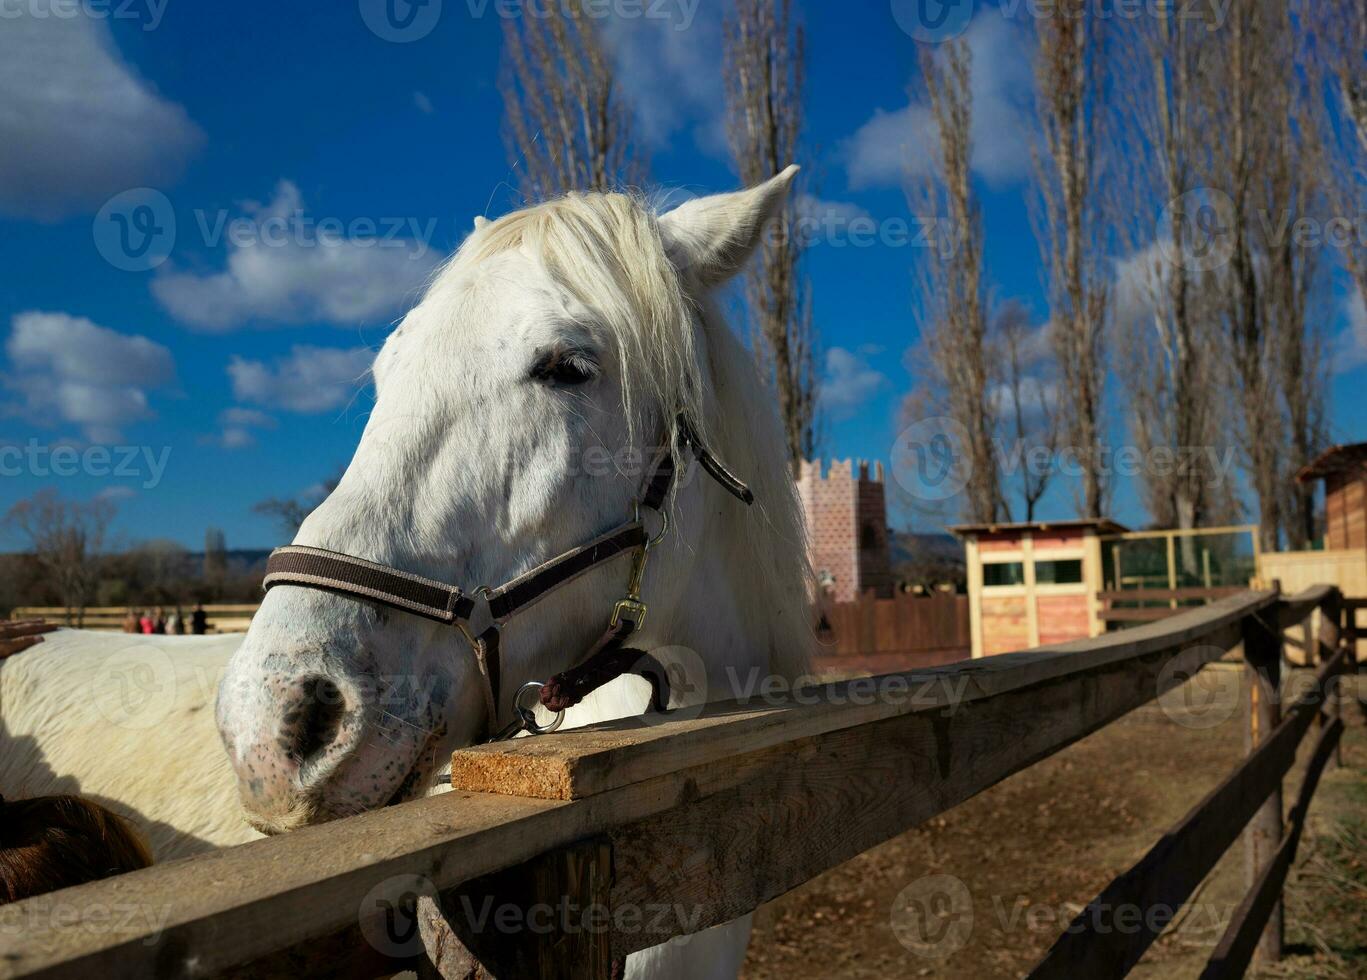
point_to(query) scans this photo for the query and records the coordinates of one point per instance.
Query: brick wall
(846, 512)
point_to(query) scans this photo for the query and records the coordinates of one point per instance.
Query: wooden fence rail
(223, 617)
(711, 815)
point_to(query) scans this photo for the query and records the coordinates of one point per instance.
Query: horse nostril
(313, 725)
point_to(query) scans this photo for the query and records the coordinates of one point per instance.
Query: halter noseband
(608, 658)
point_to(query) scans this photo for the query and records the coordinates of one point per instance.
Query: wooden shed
(1033, 583)
(1344, 472)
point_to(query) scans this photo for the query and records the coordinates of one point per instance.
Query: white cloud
(309, 380)
(285, 268)
(79, 372)
(77, 124)
(890, 147)
(822, 212)
(1139, 277)
(237, 425)
(423, 103)
(849, 381)
(893, 146)
(674, 78)
(1352, 345)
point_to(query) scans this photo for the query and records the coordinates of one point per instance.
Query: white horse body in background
(472, 470)
(127, 721)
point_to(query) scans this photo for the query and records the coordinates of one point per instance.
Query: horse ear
(711, 237)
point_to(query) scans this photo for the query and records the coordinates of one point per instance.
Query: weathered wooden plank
(1293, 610)
(546, 919)
(1159, 884)
(573, 765)
(1235, 950)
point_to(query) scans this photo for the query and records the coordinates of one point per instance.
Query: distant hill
(927, 559)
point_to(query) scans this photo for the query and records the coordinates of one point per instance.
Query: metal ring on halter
(664, 524)
(528, 712)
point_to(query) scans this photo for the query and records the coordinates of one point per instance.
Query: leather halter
(607, 659)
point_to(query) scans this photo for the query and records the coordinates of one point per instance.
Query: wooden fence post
(1262, 663)
(1331, 614)
(550, 918)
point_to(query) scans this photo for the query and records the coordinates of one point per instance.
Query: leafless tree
(1069, 67)
(1028, 413)
(289, 512)
(1256, 119)
(566, 124)
(67, 538)
(1167, 336)
(764, 62)
(953, 317)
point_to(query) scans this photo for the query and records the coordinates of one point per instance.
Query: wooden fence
(1149, 605)
(715, 813)
(222, 618)
(927, 629)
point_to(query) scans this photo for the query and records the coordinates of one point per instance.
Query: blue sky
(229, 358)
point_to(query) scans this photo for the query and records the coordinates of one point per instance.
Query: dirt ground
(1028, 854)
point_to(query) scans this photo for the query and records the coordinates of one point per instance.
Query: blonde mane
(608, 252)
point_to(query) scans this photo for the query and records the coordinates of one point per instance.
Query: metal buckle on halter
(631, 607)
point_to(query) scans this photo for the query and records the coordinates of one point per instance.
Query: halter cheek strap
(607, 659)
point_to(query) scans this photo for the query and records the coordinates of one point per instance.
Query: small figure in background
(199, 622)
(159, 622)
(175, 624)
(130, 621)
(146, 623)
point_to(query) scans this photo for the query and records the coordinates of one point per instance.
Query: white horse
(555, 342)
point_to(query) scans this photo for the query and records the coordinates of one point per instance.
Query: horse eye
(566, 366)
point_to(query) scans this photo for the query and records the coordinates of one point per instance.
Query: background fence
(921, 630)
(222, 618)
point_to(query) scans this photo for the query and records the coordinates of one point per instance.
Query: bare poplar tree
(566, 124)
(764, 61)
(1068, 75)
(67, 539)
(1339, 73)
(1170, 346)
(1028, 415)
(953, 316)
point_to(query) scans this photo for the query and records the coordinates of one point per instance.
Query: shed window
(1067, 571)
(1003, 573)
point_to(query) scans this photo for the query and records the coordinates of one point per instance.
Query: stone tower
(847, 528)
